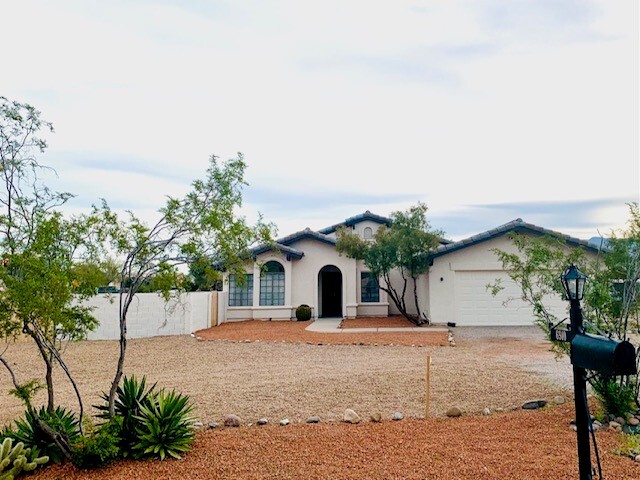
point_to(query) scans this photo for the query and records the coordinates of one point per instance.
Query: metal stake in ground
(428, 397)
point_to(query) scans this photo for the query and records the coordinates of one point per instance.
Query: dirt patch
(294, 332)
(377, 322)
(521, 445)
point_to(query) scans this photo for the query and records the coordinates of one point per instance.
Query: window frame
(241, 296)
(272, 286)
(367, 292)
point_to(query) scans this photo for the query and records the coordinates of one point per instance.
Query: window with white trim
(272, 284)
(369, 288)
(241, 293)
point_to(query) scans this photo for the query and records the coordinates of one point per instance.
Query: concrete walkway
(332, 325)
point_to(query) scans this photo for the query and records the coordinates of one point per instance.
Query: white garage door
(476, 306)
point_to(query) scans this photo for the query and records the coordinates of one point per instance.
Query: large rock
(314, 419)
(350, 416)
(534, 404)
(376, 417)
(633, 421)
(559, 400)
(620, 420)
(263, 421)
(284, 422)
(232, 420)
(397, 416)
(454, 412)
(486, 412)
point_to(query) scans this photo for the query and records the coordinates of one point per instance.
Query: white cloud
(457, 103)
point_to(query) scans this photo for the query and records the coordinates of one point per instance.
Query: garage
(476, 306)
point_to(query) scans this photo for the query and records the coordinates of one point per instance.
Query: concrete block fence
(150, 316)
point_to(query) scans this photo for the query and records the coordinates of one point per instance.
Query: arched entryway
(330, 291)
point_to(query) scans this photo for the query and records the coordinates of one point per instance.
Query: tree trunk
(415, 299)
(49, 381)
(400, 305)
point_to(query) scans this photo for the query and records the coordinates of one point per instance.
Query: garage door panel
(475, 305)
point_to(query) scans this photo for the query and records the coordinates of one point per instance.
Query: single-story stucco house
(305, 268)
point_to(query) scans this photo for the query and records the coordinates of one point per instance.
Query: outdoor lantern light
(573, 281)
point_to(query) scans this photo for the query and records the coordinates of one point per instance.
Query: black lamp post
(573, 281)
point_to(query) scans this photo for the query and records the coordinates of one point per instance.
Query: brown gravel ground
(522, 445)
(377, 322)
(283, 331)
(278, 380)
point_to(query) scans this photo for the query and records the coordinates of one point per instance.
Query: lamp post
(573, 281)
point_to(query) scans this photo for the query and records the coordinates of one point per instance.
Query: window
(272, 285)
(369, 289)
(241, 294)
(368, 233)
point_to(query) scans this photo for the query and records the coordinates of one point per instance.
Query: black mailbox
(603, 355)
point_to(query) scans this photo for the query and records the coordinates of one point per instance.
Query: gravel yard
(522, 445)
(297, 380)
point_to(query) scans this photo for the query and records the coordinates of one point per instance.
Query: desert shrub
(131, 395)
(616, 399)
(99, 446)
(303, 313)
(61, 420)
(166, 426)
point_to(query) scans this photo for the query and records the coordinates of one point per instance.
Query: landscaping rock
(314, 419)
(263, 421)
(232, 421)
(350, 416)
(573, 427)
(558, 400)
(634, 422)
(198, 424)
(376, 417)
(454, 412)
(620, 420)
(637, 459)
(284, 422)
(213, 425)
(534, 404)
(397, 416)
(486, 412)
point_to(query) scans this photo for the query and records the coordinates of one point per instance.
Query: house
(305, 268)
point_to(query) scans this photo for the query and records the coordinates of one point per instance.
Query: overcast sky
(484, 110)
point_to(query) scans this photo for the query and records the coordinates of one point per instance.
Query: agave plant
(131, 396)
(165, 426)
(60, 420)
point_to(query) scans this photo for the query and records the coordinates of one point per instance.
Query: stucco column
(256, 285)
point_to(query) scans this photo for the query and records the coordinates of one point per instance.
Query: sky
(485, 110)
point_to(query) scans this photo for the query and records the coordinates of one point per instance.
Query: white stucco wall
(443, 297)
(150, 316)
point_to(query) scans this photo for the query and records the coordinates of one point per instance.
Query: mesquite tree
(201, 227)
(48, 261)
(404, 247)
(611, 301)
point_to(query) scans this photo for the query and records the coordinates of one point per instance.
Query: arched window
(272, 284)
(368, 233)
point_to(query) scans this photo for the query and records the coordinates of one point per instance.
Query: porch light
(573, 281)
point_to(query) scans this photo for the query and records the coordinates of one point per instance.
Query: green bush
(61, 420)
(303, 313)
(131, 396)
(166, 427)
(99, 446)
(616, 399)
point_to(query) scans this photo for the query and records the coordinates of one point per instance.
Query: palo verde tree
(202, 227)
(611, 301)
(404, 247)
(48, 261)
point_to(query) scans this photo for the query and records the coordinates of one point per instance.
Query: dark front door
(331, 294)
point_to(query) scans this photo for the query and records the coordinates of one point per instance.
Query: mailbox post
(593, 352)
(573, 281)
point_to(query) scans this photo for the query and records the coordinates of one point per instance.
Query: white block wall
(150, 316)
